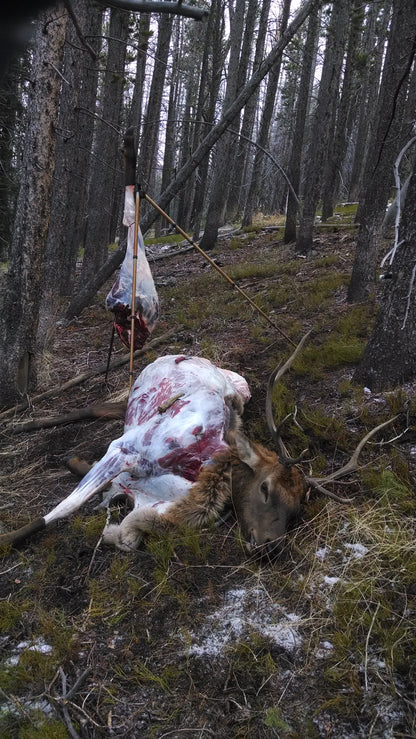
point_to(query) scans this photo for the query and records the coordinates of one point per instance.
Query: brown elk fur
(233, 478)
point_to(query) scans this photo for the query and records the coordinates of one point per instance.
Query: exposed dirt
(190, 637)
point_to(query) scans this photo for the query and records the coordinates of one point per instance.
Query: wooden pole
(221, 271)
(133, 289)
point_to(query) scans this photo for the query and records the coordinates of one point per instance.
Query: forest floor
(190, 636)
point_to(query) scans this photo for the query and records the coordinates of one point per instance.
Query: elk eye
(265, 490)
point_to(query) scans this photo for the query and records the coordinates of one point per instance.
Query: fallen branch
(104, 410)
(91, 373)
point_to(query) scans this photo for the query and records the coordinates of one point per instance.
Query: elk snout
(265, 546)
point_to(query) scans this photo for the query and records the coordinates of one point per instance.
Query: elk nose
(253, 542)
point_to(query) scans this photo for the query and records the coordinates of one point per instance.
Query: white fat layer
(175, 421)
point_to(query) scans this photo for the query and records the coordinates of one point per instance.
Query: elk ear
(245, 450)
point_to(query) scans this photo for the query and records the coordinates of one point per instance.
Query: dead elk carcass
(183, 458)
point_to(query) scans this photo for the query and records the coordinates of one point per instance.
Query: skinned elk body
(183, 458)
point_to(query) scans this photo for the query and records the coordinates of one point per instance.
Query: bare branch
(156, 6)
(77, 27)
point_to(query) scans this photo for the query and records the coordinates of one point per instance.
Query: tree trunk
(90, 18)
(250, 109)
(11, 114)
(341, 137)
(390, 355)
(266, 118)
(373, 49)
(59, 241)
(135, 114)
(106, 181)
(20, 310)
(220, 184)
(300, 123)
(323, 120)
(384, 147)
(151, 124)
(207, 99)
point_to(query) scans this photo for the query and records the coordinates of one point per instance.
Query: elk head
(270, 498)
(266, 495)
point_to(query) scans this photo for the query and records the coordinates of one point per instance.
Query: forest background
(189, 635)
(272, 107)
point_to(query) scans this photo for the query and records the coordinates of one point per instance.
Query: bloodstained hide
(176, 420)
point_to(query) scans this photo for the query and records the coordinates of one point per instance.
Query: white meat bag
(146, 309)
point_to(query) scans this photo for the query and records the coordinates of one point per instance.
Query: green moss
(139, 672)
(332, 428)
(389, 489)
(10, 614)
(91, 527)
(252, 658)
(168, 239)
(327, 261)
(33, 726)
(343, 347)
(44, 730)
(33, 670)
(253, 269)
(274, 720)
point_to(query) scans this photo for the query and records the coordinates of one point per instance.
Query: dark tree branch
(155, 6)
(77, 27)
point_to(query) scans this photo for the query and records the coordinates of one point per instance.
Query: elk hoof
(127, 541)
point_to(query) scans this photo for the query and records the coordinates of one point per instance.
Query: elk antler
(313, 482)
(351, 466)
(275, 431)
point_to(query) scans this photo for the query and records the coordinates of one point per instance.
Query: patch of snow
(11, 708)
(331, 580)
(358, 550)
(245, 611)
(322, 553)
(39, 645)
(36, 646)
(324, 650)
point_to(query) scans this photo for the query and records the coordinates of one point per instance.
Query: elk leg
(78, 467)
(113, 462)
(128, 535)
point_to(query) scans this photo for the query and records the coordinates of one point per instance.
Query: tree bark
(241, 147)
(332, 174)
(151, 124)
(59, 238)
(251, 201)
(135, 114)
(90, 18)
(222, 156)
(300, 123)
(211, 68)
(20, 310)
(373, 49)
(323, 120)
(384, 147)
(106, 181)
(390, 355)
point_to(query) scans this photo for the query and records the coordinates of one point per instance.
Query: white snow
(243, 612)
